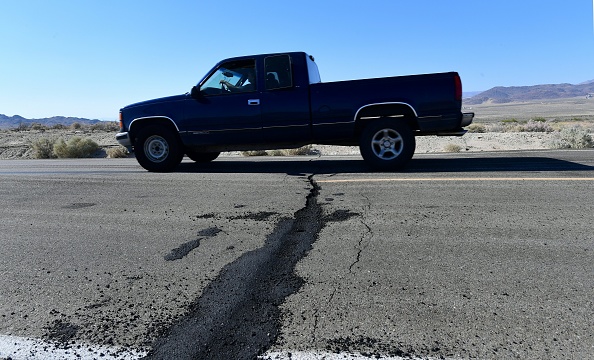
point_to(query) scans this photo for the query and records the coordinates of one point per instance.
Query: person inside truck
(249, 84)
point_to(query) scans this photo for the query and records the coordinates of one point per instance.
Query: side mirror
(195, 92)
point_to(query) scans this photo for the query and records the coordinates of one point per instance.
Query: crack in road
(238, 315)
(359, 248)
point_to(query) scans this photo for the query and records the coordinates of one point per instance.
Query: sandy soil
(17, 144)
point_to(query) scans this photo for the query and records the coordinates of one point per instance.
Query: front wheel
(387, 144)
(157, 149)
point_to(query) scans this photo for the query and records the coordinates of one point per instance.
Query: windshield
(231, 77)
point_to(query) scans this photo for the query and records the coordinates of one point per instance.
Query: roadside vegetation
(453, 148)
(568, 134)
(117, 152)
(80, 140)
(304, 150)
(75, 147)
(102, 126)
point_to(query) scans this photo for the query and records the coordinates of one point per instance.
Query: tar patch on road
(238, 316)
(209, 232)
(259, 216)
(61, 332)
(185, 248)
(340, 215)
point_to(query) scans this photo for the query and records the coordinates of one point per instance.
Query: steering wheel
(224, 87)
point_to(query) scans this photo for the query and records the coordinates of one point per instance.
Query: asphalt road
(483, 255)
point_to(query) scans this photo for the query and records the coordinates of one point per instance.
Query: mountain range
(501, 94)
(16, 121)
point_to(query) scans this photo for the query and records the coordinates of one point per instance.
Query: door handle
(254, 102)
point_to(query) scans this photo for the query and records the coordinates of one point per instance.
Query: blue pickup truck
(277, 101)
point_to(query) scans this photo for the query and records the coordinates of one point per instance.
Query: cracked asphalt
(460, 256)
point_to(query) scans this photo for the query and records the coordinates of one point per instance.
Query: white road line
(317, 355)
(18, 348)
(459, 179)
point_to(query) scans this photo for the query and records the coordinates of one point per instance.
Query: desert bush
(304, 150)
(75, 126)
(476, 128)
(105, 126)
(38, 126)
(59, 127)
(574, 137)
(513, 125)
(76, 147)
(452, 148)
(21, 127)
(536, 126)
(254, 153)
(510, 121)
(117, 152)
(498, 127)
(43, 148)
(276, 153)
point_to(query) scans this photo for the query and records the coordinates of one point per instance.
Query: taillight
(458, 85)
(121, 121)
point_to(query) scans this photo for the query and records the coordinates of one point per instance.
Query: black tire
(387, 144)
(157, 149)
(202, 157)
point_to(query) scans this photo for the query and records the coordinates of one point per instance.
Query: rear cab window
(279, 74)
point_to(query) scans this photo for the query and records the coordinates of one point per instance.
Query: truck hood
(156, 101)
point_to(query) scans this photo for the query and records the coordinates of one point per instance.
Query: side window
(278, 72)
(231, 77)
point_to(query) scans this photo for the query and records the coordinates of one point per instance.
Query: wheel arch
(142, 122)
(397, 110)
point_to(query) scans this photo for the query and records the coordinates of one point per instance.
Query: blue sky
(89, 58)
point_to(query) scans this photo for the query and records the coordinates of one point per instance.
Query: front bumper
(124, 139)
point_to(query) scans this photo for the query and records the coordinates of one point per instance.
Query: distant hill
(13, 122)
(501, 95)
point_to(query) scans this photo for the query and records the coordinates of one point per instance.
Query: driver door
(227, 111)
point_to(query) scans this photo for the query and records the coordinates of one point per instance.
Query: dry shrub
(38, 126)
(452, 148)
(76, 147)
(536, 125)
(304, 150)
(574, 137)
(513, 125)
(254, 153)
(117, 152)
(43, 148)
(276, 153)
(105, 126)
(476, 128)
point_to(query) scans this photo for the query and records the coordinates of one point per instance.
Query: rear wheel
(157, 149)
(387, 144)
(202, 157)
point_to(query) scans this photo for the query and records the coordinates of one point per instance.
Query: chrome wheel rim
(387, 144)
(156, 148)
